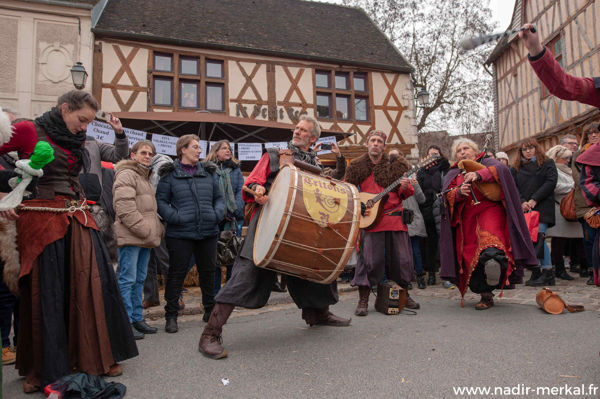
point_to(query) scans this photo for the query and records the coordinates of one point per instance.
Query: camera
(326, 146)
(103, 116)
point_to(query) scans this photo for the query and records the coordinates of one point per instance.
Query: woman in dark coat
(72, 317)
(189, 200)
(536, 177)
(231, 181)
(430, 180)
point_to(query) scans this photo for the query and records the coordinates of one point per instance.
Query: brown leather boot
(362, 309)
(323, 317)
(410, 303)
(210, 341)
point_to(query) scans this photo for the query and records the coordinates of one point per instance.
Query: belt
(396, 213)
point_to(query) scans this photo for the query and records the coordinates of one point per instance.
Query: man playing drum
(249, 285)
(386, 247)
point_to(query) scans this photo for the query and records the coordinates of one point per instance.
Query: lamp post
(79, 75)
(422, 98)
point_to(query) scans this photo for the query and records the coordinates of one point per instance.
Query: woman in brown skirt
(72, 314)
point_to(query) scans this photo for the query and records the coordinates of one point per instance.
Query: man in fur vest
(385, 248)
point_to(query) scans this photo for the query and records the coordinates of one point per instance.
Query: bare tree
(428, 33)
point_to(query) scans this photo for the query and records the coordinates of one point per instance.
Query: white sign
(280, 144)
(249, 151)
(328, 140)
(133, 136)
(203, 144)
(165, 144)
(101, 131)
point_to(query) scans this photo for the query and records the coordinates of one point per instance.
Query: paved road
(274, 355)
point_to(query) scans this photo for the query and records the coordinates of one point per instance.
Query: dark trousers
(561, 246)
(9, 308)
(575, 251)
(218, 277)
(180, 252)
(589, 236)
(159, 263)
(431, 246)
(478, 283)
(250, 287)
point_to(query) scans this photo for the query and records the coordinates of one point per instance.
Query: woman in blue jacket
(231, 181)
(190, 202)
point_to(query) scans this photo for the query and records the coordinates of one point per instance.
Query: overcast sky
(502, 12)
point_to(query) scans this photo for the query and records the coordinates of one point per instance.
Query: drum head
(272, 215)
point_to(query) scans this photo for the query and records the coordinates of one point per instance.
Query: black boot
(546, 278)
(171, 325)
(535, 274)
(561, 272)
(431, 279)
(136, 334)
(421, 282)
(142, 327)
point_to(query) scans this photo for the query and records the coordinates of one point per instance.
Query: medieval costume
(385, 248)
(250, 286)
(590, 187)
(490, 233)
(72, 315)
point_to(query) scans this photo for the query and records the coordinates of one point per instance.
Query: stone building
(41, 41)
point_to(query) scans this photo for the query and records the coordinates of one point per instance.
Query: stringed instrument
(376, 202)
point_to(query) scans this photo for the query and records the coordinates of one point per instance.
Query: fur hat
(5, 127)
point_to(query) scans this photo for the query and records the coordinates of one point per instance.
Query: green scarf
(229, 196)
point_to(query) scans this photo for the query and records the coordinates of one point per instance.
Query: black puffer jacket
(538, 183)
(430, 181)
(192, 206)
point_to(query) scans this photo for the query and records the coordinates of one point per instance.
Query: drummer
(386, 247)
(250, 286)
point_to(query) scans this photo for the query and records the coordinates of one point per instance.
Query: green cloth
(227, 190)
(42, 155)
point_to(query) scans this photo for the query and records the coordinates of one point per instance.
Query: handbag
(567, 206)
(549, 301)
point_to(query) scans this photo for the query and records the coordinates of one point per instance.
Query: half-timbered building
(246, 70)
(523, 106)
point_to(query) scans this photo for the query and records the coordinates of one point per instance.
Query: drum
(308, 226)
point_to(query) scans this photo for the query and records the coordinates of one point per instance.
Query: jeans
(181, 251)
(159, 263)
(134, 267)
(546, 262)
(417, 260)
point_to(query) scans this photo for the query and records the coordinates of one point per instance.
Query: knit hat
(379, 133)
(501, 155)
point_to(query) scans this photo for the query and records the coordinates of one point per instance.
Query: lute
(376, 202)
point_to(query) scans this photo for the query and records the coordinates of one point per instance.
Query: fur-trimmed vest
(385, 172)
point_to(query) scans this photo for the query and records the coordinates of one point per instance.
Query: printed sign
(101, 131)
(133, 136)
(165, 144)
(249, 151)
(280, 144)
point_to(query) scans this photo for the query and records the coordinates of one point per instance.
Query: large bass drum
(308, 226)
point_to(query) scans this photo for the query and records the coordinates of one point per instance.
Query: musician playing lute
(482, 240)
(386, 247)
(250, 286)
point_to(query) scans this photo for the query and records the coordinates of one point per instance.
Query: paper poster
(101, 131)
(329, 140)
(249, 151)
(203, 146)
(133, 136)
(165, 144)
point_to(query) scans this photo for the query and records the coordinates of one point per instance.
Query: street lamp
(422, 98)
(79, 75)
